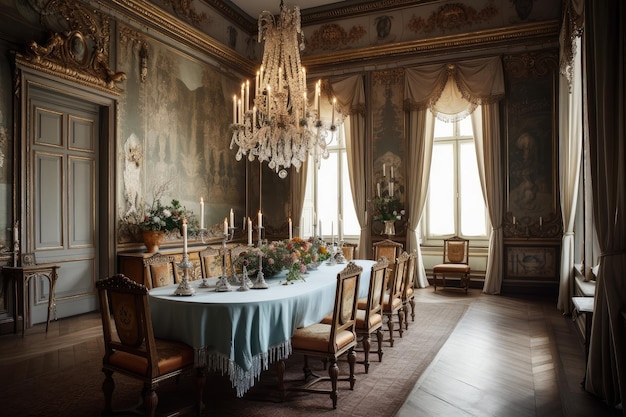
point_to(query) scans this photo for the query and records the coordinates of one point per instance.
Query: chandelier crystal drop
(279, 127)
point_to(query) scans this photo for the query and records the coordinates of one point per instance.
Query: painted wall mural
(176, 145)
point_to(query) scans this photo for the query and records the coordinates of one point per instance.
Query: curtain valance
(454, 88)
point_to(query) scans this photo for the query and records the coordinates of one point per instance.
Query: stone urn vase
(152, 239)
(390, 227)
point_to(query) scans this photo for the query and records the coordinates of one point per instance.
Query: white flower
(156, 220)
(167, 213)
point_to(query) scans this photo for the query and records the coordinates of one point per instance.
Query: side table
(21, 275)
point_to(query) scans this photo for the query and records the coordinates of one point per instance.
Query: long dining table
(240, 333)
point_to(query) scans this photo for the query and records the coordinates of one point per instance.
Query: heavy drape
(604, 43)
(570, 157)
(452, 91)
(350, 95)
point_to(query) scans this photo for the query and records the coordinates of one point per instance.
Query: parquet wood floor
(507, 357)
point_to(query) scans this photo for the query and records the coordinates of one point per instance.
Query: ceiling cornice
(332, 12)
(155, 18)
(546, 32)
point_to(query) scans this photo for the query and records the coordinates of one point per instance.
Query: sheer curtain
(605, 101)
(570, 155)
(350, 95)
(452, 91)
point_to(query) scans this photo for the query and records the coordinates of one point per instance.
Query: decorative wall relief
(78, 48)
(532, 197)
(184, 9)
(388, 126)
(452, 17)
(180, 120)
(332, 36)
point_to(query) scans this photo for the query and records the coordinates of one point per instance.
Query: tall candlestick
(201, 213)
(340, 228)
(232, 218)
(225, 226)
(184, 236)
(260, 219)
(249, 232)
(290, 229)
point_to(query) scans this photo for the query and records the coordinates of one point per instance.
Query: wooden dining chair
(211, 261)
(408, 289)
(349, 250)
(329, 341)
(131, 349)
(392, 303)
(369, 315)
(455, 262)
(389, 249)
(159, 270)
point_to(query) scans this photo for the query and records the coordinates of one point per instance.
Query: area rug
(75, 391)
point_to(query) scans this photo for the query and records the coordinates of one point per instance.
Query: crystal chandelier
(280, 128)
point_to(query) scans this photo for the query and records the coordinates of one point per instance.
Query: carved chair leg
(366, 352)
(351, 363)
(400, 320)
(412, 302)
(280, 374)
(390, 326)
(108, 385)
(333, 373)
(379, 338)
(150, 399)
(200, 383)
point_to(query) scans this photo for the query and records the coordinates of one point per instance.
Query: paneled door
(62, 202)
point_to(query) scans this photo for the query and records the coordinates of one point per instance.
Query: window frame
(429, 239)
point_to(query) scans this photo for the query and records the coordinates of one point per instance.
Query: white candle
(392, 172)
(332, 119)
(304, 105)
(340, 228)
(185, 236)
(240, 111)
(260, 219)
(243, 223)
(269, 97)
(540, 221)
(16, 233)
(234, 109)
(232, 218)
(320, 226)
(249, 232)
(332, 231)
(225, 226)
(383, 170)
(290, 229)
(391, 189)
(257, 83)
(253, 118)
(201, 213)
(247, 95)
(513, 219)
(378, 189)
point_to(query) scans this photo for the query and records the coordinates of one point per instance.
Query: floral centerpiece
(387, 208)
(166, 218)
(295, 255)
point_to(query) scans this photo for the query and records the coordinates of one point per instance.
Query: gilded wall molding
(78, 47)
(183, 8)
(451, 16)
(332, 36)
(484, 40)
(156, 18)
(388, 77)
(531, 64)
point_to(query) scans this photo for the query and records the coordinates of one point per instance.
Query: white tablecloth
(240, 333)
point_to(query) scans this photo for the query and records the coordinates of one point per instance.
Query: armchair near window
(455, 262)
